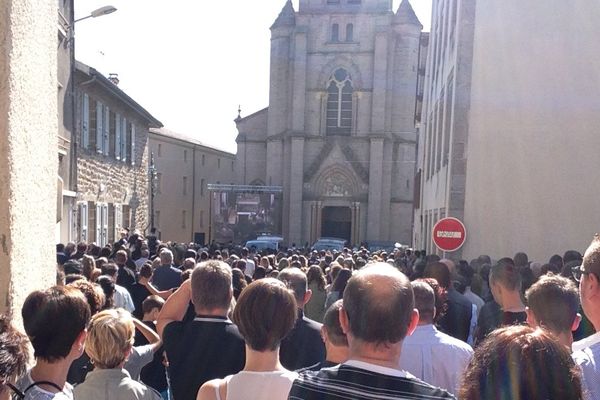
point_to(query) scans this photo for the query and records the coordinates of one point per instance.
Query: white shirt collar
(586, 342)
(378, 369)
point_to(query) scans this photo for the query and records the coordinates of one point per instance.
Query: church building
(339, 133)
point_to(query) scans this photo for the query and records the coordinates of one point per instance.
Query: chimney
(114, 78)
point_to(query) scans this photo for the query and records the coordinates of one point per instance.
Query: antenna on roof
(239, 117)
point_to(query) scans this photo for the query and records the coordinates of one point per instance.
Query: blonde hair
(110, 337)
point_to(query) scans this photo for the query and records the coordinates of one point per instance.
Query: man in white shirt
(586, 352)
(429, 354)
(122, 296)
(250, 266)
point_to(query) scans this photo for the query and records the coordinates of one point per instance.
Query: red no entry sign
(449, 234)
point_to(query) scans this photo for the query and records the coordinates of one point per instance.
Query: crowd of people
(141, 319)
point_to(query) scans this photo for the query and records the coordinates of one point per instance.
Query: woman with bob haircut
(520, 363)
(109, 343)
(264, 314)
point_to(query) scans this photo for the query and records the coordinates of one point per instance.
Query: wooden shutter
(118, 136)
(105, 140)
(83, 222)
(99, 127)
(112, 209)
(124, 139)
(118, 220)
(104, 220)
(85, 122)
(132, 156)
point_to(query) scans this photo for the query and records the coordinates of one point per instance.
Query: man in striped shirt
(377, 314)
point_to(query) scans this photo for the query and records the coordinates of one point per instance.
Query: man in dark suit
(303, 346)
(456, 320)
(166, 276)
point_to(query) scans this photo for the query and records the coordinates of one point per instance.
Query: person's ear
(344, 322)
(323, 332)
(307, 297)
(414, 322)
(531, 321)
(576, 322)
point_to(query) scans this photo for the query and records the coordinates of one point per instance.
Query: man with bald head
(377, 314)
(302, 347)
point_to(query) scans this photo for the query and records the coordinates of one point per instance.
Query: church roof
(287, 16)
(406, 15)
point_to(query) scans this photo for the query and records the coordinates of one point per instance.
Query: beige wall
(181, 215)
(532, 180)
(28, 160)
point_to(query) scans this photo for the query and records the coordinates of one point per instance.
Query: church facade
(339, 133)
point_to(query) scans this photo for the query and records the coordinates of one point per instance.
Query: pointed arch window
(339, 103)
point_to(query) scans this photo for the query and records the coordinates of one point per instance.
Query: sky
(190, 63)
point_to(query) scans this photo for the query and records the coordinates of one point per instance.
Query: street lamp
(99, 12)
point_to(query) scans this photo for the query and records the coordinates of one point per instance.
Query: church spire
(406, 15)
(287, 16)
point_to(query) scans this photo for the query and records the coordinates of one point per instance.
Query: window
(201, 218)
(183, 219)
(203, 159)
(158, 182)
(102, 122)
(339, 103)
(83, 222)
(354, 1)
(233, 165)
(132, 141)
(333, 1)
(202, 187)
(185, 185)
(126, 216)
(85, 121)
(159, 151)
(101, 222)
(335, 33)
(218, 163)
(349, 33)
(184, 155)
(114, 136)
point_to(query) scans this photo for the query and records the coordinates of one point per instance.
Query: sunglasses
(578, 272)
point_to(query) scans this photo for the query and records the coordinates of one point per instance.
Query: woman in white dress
(265, 313)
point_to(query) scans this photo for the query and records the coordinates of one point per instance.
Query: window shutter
(124, 140)
(99, 127)
(83, 222)
(105, 142)
(118, 220)
(85, 125)
(132, 157)
(118, 136)
(98, 224)
(104, 224)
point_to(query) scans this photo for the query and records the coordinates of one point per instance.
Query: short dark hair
(379, 302)
(110, 269)
(14, 352)
(591, 258)
(265, 313)
(53, 319)
(554, 301)
(438, 271)
(212, 285)
(506, 274)
(146, 271)
(519, 362)
(152, 302)
(296, 280)
(331, 322)
(424, 300)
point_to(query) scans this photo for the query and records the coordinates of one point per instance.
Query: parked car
(329, 243)
(260, 245)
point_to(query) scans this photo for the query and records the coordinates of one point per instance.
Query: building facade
(184, 168)
(66, 195)
(509, 129)
(339, 133)
(112, 162)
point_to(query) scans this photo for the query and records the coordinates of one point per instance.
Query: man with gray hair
(377, 314)
(166, 276)
(431, 355)
(303, 346)
(209, 346)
